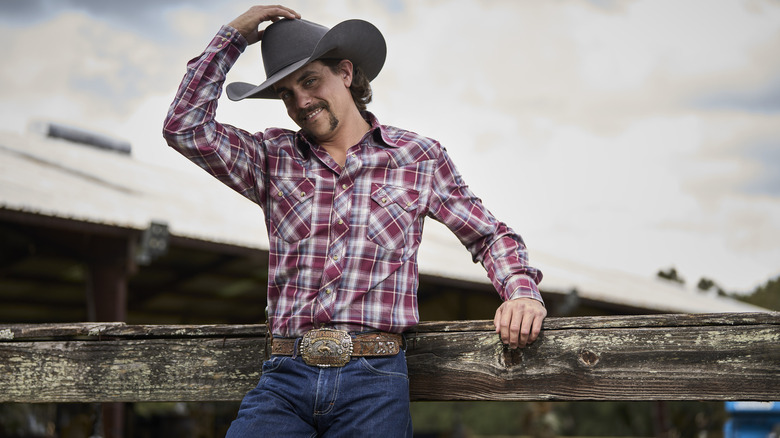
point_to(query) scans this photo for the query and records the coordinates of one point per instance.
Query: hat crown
(288, 45)
(288, 41)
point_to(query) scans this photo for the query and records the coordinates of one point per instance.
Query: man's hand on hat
(247, 23)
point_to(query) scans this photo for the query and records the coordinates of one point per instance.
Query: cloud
(758, 97)
(138, 11)
(150, 19)
(102, 69)
(629, 134)
(582, 125)
(739, 157)
(766, 180)
(619, 51)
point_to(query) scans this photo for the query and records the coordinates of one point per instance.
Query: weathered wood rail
(662, 357)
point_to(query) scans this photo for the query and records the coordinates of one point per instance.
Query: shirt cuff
(524, 287)
(226, 37)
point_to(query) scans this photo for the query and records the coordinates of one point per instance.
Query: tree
(706, 284)
(671, 275)
(767, 296)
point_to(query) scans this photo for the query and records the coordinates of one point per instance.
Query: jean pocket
(273, 364)
(390, 366)
(393, 210)
(291, 209)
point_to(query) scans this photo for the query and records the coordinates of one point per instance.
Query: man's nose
(302, 100)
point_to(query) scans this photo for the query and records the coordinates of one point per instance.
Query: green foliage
(767, 296)
(671, 275)
(706, 284)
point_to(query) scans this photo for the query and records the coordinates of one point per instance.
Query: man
(344, 201)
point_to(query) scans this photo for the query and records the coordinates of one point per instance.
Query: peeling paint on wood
(6, 334)
(664, 357)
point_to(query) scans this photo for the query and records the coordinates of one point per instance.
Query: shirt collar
(378, 133)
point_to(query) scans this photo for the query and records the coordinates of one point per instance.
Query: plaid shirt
(343, 240)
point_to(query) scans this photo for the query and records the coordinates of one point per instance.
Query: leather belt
(334, 348)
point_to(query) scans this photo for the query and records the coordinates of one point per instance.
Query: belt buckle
(326, 347)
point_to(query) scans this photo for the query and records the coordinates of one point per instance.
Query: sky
(634, 135)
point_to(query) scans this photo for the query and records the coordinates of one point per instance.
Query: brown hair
(360, 87)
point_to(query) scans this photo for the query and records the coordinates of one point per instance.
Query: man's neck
(350, 132)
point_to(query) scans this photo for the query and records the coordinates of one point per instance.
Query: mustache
(310, 109)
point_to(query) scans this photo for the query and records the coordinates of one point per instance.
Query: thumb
(497, 319)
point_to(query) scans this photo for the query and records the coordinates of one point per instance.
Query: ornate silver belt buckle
(326, 347)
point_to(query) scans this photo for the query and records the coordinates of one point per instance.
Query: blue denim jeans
(367, 397)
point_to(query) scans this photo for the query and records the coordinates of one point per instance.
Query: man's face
(317, 98)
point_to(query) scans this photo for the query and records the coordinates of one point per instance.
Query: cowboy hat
(288, 45)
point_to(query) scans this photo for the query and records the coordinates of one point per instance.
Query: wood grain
(662, 357)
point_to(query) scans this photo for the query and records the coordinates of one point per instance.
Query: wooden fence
(661, 357)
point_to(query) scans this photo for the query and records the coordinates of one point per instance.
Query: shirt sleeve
(500, 250)
(230, 154)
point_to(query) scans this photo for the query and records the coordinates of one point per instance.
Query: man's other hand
(247, 23)
(519, 321)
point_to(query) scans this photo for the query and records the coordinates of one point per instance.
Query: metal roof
(440, 255)
(57, 178)
(67, 180)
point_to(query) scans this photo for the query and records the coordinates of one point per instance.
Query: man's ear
(345, 69)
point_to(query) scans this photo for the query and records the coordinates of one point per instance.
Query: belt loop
(295, 347)
(268, 340)
(404, 343)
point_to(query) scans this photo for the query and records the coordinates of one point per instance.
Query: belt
(334, 348)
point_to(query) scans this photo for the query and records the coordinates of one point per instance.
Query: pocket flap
(402, 197)
(297, 188)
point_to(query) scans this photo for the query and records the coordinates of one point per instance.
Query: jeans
(367, 397)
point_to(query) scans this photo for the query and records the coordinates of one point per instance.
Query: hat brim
(356, 40)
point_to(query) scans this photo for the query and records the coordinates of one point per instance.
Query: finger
(276, 12)
(289, 11)
(274, 15)
(497, 320)
(525, 329)
(536, 329)
(516, 329)
(503, 324)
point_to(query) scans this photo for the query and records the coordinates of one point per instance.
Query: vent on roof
(81, 136)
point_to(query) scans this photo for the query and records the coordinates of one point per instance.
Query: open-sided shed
(96, 234)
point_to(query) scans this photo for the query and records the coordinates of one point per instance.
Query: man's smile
(313, 114)
(309, 113)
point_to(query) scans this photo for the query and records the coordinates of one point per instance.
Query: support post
(109, 268)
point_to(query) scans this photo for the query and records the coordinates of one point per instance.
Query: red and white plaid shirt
(343, 241)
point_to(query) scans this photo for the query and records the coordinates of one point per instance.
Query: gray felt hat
(288, 45)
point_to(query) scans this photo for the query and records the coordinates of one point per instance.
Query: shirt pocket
(291, 214)
(393, 210)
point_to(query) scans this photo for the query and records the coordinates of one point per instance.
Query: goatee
(332, 120)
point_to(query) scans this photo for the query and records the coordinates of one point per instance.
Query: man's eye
(309, 82)
(284, 95)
